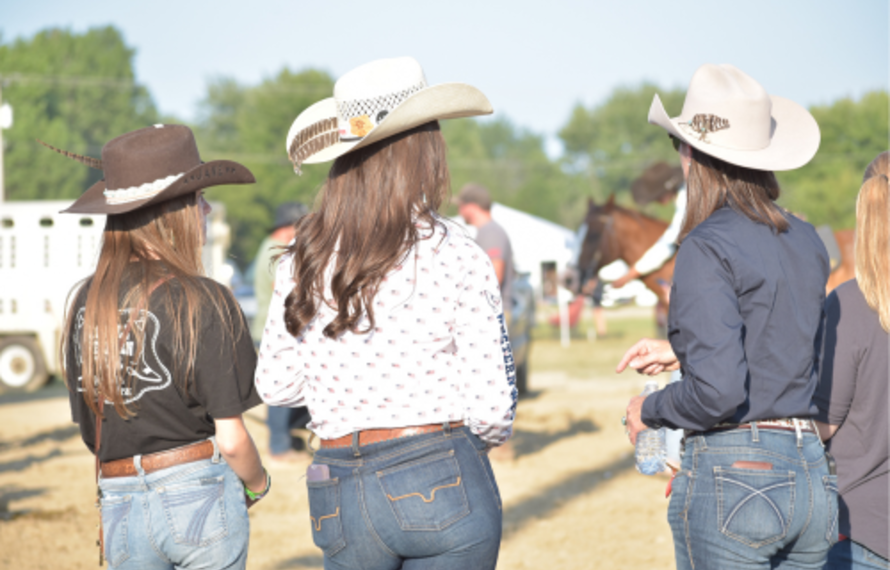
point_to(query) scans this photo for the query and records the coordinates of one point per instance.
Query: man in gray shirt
(474, 205)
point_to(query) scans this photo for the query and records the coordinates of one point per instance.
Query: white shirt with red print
(439, 350)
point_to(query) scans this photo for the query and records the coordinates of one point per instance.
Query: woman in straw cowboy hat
(754, 489)
(387, 322)
(169, 363)
(853, 388)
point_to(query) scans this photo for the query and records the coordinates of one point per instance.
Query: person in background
(283, 447)
(659, 183)
(160, 365)
(474, 206)
(754, 487)
(853, 391)
(387, 322)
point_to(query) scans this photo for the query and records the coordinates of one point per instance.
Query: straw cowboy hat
(150, 166)
(730, 116)
(375, 101)
(656, 181)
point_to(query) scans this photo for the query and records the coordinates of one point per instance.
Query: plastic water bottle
(651, 450)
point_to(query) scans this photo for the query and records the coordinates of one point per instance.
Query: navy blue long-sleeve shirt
(746, 304)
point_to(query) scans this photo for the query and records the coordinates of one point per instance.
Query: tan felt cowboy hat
(150, 166)
(730, 116)
(374, 101)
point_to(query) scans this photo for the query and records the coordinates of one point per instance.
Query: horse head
(598, 248)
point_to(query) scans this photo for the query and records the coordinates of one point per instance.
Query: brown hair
(142, 251)
(713, 183)
(368, 219)
(880, 165)
(873, 239)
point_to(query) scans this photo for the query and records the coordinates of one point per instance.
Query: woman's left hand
(633, 420)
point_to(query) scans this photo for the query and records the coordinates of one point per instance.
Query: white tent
(534, 240)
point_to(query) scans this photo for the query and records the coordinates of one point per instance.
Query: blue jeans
(849, 555)
(280, 421)
(777, 512)
(191, 515)
(423, 502)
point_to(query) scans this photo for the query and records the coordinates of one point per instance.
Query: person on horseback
(659, 183)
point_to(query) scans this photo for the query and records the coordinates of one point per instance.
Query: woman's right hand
(649, 356)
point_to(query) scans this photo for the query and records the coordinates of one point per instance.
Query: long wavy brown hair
(157, 248)
(873, 238)
(372, 210)
(713, 183)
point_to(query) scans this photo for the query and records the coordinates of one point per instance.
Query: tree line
(77, 91)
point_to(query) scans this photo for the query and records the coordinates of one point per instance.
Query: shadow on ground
(528, 442)
(308, 561)
(558, 494)
(57, 435)
(55, 389)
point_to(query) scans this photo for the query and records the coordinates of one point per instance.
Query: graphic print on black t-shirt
(147, 372)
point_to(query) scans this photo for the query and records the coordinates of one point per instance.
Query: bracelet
(257, 496)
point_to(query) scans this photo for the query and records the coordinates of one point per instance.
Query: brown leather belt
(160, 460)
(368, 436)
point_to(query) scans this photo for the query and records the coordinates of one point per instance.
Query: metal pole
(2, 182)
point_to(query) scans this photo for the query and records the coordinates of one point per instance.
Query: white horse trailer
(43, 255)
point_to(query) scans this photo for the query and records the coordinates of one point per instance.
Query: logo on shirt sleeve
(494, 301)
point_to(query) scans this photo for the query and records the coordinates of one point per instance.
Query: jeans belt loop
(798, 432)
(216, 454)
(446, 427)
(755, 433)
(355, 444)
(137, 463)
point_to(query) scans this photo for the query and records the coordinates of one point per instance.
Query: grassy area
(585, 358)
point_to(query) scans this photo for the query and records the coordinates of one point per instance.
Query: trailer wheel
(22, 367)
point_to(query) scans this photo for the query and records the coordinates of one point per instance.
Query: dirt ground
(572, 498)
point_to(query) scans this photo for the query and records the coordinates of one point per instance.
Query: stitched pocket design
(754, 507)
(830, 483)
(426, 494)
(115, 518)
(324, 515)
(196, 511)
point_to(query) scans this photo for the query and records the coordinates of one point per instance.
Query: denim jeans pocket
(754, 507)
(426, 494)
(324, 514)
(196, 510)
(829, 482)
(115, 521)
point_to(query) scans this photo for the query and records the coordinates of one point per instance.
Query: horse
(614, 232)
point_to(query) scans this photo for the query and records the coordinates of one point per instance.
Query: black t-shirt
(167, 416)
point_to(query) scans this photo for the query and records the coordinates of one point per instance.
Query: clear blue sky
(534, 59)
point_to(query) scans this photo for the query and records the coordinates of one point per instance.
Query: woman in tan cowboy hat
(160, 364)
(754, 489)
(387, 322)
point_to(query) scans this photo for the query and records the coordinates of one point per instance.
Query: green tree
(249, 124)
(512, 164)
(853, 133)
(612, 143)
(74, 91)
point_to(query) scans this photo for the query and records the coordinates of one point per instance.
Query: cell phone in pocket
(318, 472)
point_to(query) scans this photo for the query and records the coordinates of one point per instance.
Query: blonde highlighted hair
(873, 238)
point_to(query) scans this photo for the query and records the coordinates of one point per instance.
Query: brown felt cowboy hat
(730, 116)
(149, 166)
(375, 101)
(656, 181)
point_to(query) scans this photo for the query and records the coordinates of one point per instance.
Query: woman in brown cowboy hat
(160, 364)
(387, 322)
(754, 489)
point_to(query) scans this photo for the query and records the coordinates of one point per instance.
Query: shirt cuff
(649, 412)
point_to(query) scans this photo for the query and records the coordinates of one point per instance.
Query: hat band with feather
(354, 121)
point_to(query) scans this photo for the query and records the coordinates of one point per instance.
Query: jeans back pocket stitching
(210, 497)
(424, 499)
(340, 540)
(784, 525)
(317, 523)
(461, 513)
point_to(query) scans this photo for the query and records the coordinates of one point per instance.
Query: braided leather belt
(785, 424)
(369, 436)
(157, 461)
